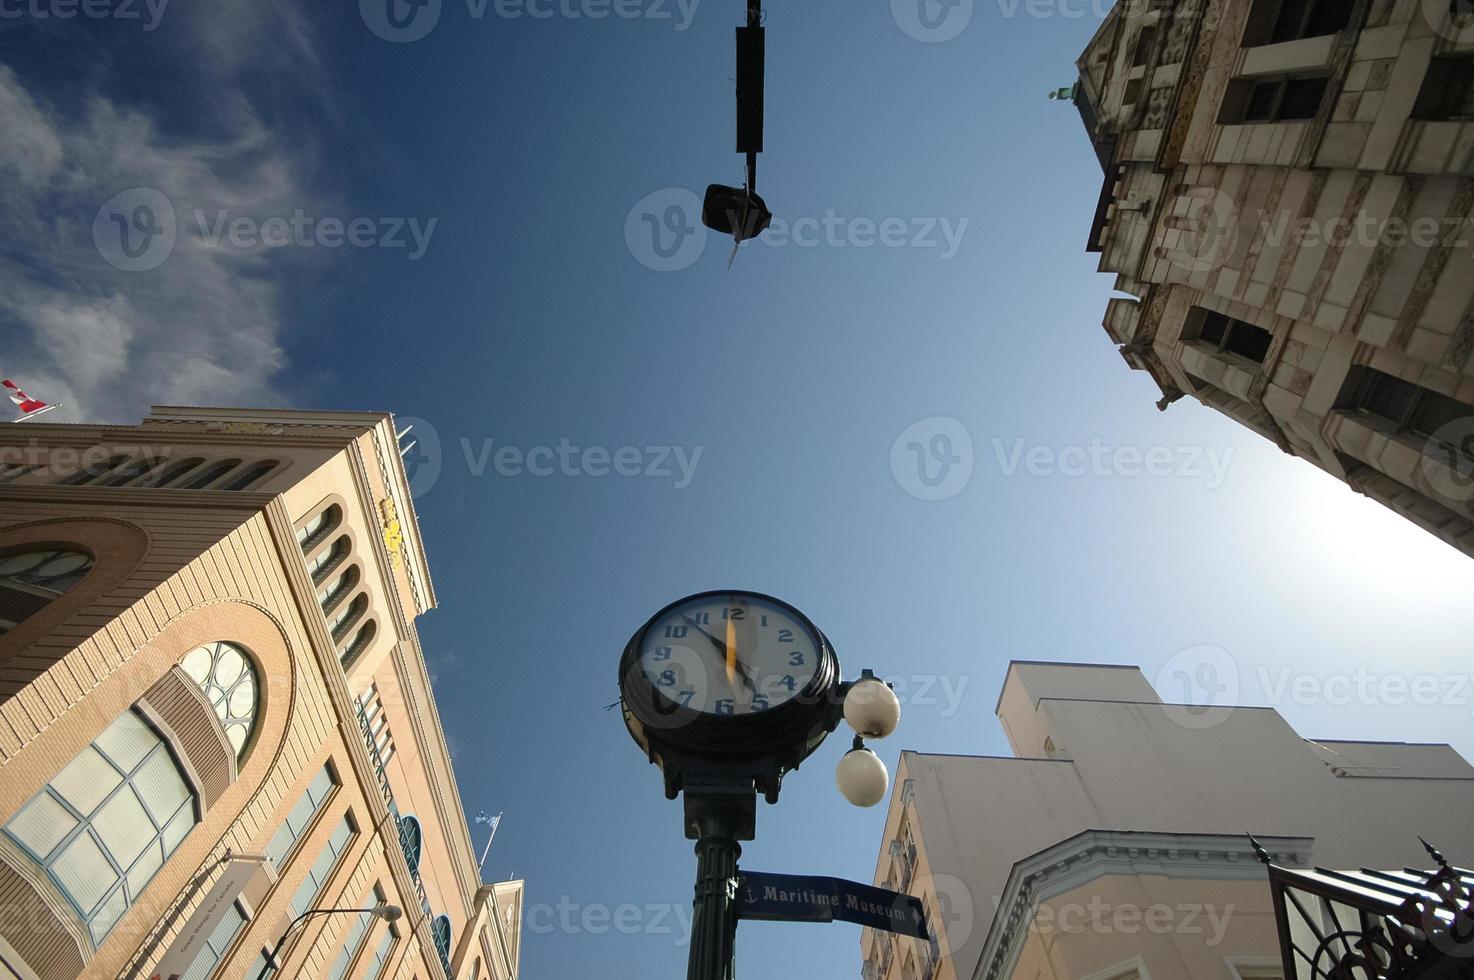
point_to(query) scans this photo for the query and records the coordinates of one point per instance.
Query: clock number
(700, 619)
(662, 653)
(795, 659)
(765, 620)
(759, 703)
(734, 613)
(789, 682)
(668, 678)
(785, 636)
(676, 632)
(686, 697)
(725, 706)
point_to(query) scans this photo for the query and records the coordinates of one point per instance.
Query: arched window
(440, 929)
(322, 523)
(212, 473)
(89, 473)
(334, 592)
(251, 475)
(324, 563)
(228, 678)
(17, 470)
(106, 823)
(136, 467)
(31, 579)
(360, 643)
(174, 472)
(412, 839)
(344, 621)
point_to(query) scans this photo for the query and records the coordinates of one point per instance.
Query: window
(89, 473)
(1448, 90)
(174, 472)
(333, 593)
(212, 473)
(309, 534)
(1240, 337)
(344, 621)
(361, 641)
(216, 944)
(412, 839)
(1142, 53)
(106, 823)
(300, 817)
(376, 725)
(1276, 98)
(251, 475)
(356, 934)
(321, 871)
(380, 958)
(228, 678)
(17, 470)
(135, 468)
(1413, 409)
(324, 563)
(1277, 21)
(29, 580)
(440, 929)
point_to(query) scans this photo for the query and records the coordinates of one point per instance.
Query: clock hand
(720, 646)
(735, 665)
(726, 652)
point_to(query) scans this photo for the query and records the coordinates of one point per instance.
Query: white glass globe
(872, 708)
(862, 777)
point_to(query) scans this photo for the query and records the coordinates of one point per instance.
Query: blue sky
(529, 313)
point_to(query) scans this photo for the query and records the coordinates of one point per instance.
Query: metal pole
(714, 912)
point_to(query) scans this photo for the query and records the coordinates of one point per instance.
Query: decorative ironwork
(1374, 925)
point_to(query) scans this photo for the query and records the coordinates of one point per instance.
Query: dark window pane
(1291, 18)
(1260, 105)
(1302, 98)
(1435, 411)
(1387, 397)
(1329, 17)
(1215, 325)
(1248, 340)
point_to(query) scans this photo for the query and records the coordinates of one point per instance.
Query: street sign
(811, 898)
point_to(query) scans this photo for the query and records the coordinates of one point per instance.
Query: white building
(1111, 845)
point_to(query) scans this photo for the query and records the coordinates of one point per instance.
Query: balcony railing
(405, 834)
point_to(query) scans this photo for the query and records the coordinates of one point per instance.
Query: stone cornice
(1091, 854)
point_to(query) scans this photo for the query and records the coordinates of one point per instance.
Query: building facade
(1112, 845)
(1289, 203)
(215, 714)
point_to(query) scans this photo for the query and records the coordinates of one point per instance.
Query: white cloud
(205, 325)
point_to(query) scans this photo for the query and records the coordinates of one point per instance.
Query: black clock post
(726, 692)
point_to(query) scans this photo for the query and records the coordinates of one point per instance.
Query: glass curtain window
(322, 869)
(106, 823)
(228, 678)
(300, 817)
(380, 958)
(30, 580)
(353, 939)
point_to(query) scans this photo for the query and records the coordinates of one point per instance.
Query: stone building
(1112, 845)
(214, 710)
(1287, 196)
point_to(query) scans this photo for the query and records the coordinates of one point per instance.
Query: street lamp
(728, 691)
(739, 211)
(389, 913)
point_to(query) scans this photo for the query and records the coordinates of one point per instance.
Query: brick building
(214, 710)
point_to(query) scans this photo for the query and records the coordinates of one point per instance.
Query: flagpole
(495, 822)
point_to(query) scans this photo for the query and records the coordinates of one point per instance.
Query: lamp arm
(271, 963)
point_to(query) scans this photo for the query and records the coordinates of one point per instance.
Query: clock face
(730, 654)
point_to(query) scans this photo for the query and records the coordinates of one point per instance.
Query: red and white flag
(29, 407)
